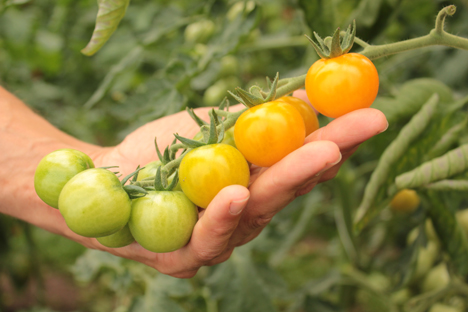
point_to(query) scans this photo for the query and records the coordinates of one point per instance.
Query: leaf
(92, 261)
(453, 237)
(450, 164)
(238, 285)
(448, 185)
(170, 286)
(109, 15)
(410, 98)
(385, 169)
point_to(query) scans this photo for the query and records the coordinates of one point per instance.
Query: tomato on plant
(206, 170)
(149, 171)
(94, 204)
(266, 133)
(55, 170)
(163, 221)
(121, 238)
(405, 201)
(307, 112)
(339, 85)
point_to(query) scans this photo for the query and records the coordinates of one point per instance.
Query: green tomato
(199, 32)
(462, 218)
(439, 307)
(228, 137)
(94, 204)
(218, 91)
(163, 221)
(229, 66)
(121, 238)
(239, 7)
(426, 258)
(149, 171)
(206, 170)
(55, 170)
(437, 278)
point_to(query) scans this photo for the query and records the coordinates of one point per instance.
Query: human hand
(237, 215)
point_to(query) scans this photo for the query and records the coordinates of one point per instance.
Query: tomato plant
(55, 170)
(339, 85)
(163, 221)
(307, 112)
(266, 133)
(94, 204)
(206, 170)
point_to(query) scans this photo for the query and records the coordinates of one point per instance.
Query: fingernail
(237, 206)
(329, 165)
(384, 129)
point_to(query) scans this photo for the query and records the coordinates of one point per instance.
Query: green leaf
(411, 96)
(161, 289)
(238, 285)
(92, 261)
(446, 166)
(448, 185)
(385, 170)
(108, 18)
(453, 237)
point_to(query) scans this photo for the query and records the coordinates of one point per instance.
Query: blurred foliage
(167, 55)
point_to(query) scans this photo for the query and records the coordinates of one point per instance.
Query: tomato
(228, 137)
(199, 32)
(439, 307)
(149, 171)
(437, 278)
(307, 112)
(163, 221)
(405, 201)
(55, 170)
(206, 170)
(266, 133)
(342, 84)
(462, 218)
(120, 238)
(94, 204)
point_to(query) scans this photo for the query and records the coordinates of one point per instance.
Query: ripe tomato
(149, 171)
(266, 133)
(342, 84)
(206, 170)
(405, 201)
(94, 204)
(55, 170)
(121, 238)
(163, 221)
(307, 112)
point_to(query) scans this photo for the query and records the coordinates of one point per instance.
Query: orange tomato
(342, 84)
(307, 112)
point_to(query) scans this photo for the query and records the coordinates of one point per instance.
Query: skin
(234, 217)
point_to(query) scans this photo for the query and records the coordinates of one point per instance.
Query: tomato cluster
(95, 203)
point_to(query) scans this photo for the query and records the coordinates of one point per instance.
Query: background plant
(308, 259)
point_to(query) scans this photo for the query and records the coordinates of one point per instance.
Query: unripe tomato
(163, 221)
(439, 307)
(206, 170)
(149, 171)
(228, 137)
(401, 296)
(199, 32)
(55, 170)
(238, 7)
(307, 112)
(121, 238)
(342, 84)
(229, 66)
(405, 201)
(218, 91)
(426, 258)
(94, 204)
(266, 133)
(437, 278)
(462, 218)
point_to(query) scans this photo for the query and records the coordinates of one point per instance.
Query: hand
(237, 215)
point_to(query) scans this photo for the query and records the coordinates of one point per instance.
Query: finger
(350, 130)
(212, 232)
(279, 184)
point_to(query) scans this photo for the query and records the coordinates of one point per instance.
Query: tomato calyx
(133, 191)
(256, 96)
(333, 46)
